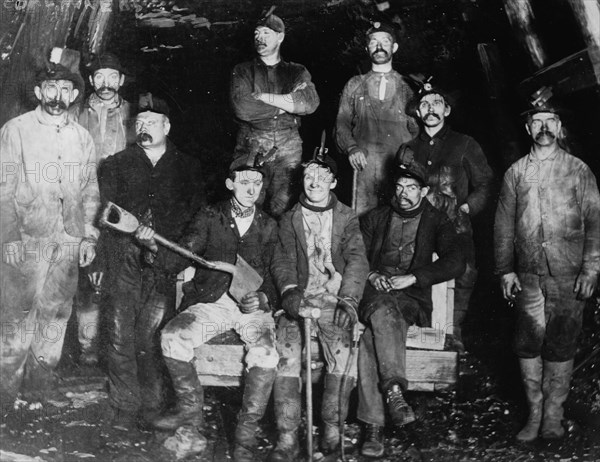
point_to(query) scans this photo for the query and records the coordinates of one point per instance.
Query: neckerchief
(329, 206)
(407, 213)
(237, 210)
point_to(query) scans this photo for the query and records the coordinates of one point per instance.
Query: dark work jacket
(434, 234)
(290, 264)
(213, 235)
(171, 190)
(457, 172)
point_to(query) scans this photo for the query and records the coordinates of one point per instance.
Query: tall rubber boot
(190, 397)
(288, 413)
(257, 391)
(336, 391)
(531, 373)
(556, 384)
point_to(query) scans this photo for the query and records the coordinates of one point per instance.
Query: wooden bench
(429, 366)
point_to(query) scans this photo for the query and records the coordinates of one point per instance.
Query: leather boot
(288, 412)
(400, 412)
(190, 397)
(337, 391)
(373, 441)
(257, 391)
(556, 384)
(531, 372)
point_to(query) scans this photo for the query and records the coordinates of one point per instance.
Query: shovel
(244, 278)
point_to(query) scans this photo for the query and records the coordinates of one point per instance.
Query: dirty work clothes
(48, 178)
(263, 126)
(377, 127)
(201, 322)
(549, 317)
(139, 303)
(382, 354)
(457, 173)
(36, 305)
(335, 344)
(214, 235)
(548, 218)
(292, 267)
(48, 201)
(112, 125)
(280, 79)
(435, 233)
(279, 169)
(141, 296)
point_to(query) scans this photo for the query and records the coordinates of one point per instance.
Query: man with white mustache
(460, 180)
(268, 96)
(108, 118)
(372, 120)
(547, 246)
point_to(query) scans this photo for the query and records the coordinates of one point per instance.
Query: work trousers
(36, 303)
(549, 317)
(372, 183)
(140, 302)
(382, 353)
(335, 342)
(201, 322)
(87, 311)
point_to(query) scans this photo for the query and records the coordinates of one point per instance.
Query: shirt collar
(439, 135)
(551, 157)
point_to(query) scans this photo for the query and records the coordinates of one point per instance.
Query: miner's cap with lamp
(271, 21)
(149, 103)
(379, 26)
(412, 170)
(249, 162)
(63, 64)
(541, 101)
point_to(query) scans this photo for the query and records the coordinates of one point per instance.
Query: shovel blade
(245, 279)
(118, 218)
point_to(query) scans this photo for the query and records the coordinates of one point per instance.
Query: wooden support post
(587, 13)
(521, 17)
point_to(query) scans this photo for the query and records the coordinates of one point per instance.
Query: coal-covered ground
(189, 66)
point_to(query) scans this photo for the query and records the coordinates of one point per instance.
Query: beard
(142, 137)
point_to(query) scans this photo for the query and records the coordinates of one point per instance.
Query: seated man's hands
(290, 301)
(254, 301)
(346, 313)
(145, 236)
(380, 282)
(402, 282)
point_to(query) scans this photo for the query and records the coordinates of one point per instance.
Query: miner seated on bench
(400, 239)
(224, 232)
(320, 262)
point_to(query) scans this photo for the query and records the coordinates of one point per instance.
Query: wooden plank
(221, 365)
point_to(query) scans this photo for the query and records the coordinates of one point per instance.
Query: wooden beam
(573, 73)
(521, 17)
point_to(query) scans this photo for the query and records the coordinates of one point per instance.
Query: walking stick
(308, 314)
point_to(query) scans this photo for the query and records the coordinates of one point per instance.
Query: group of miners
(370, 265)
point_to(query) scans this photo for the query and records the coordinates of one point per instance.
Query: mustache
(55, 103)
(379, 50)
(545, 133)
(432, 114)
(259, 43)
(141, 137)
(106, 88)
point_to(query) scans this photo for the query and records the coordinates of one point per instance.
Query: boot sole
(373, 455)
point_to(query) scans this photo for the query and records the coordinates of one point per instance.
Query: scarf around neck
(407, 213)
(304, 202)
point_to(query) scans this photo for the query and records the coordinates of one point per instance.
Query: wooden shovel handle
(216, 265)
